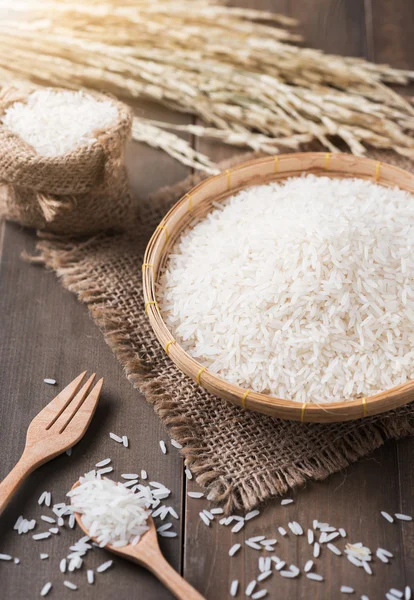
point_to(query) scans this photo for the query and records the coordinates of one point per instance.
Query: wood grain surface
(45, 332)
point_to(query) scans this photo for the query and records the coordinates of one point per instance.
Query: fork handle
(14, 479)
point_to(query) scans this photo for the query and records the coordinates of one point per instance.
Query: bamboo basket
(195, 205)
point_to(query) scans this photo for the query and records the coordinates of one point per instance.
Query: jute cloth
(80, 192)
(242, 457)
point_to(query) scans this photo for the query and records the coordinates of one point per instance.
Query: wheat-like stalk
(248, 81)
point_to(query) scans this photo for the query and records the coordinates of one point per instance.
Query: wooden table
(45, 332)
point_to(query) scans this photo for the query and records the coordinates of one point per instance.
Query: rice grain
(402, 517)
(234, 587)
(46, 588)
(235, 548)
(314, 576)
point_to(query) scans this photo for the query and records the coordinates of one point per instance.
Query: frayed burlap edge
(64, 257)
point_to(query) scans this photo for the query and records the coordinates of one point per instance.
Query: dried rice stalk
(246, 80)
(152, 134)
(255, 141)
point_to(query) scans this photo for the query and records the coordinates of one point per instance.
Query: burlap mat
(242, 457)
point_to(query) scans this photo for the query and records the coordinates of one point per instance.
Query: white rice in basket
(301, 289)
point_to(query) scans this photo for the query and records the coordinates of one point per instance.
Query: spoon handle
(156, 563)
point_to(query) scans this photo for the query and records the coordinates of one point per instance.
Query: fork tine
(81, 418)
(72, 406)
(59, 403)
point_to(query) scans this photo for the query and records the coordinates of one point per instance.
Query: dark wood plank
(45, 332)
(405, 459)
(335, 26)
(352, 499)
(392, 41)
(392, 32)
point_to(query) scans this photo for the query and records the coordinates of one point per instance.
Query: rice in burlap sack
(80, 192)
(242, 457)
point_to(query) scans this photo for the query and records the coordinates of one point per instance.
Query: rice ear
(263, 94)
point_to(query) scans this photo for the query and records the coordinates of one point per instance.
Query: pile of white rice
(111, 512)
(55, 123)
(302, 290)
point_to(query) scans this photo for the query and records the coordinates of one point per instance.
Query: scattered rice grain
(387, 516)
(234, 587)
(104, 566)
(41, 536)
(250, 587)
(308, 566)
(163, 447)
(235, 548)
(205, 520)
(237, 527)
(402, 517)
(46, 588)
(334, 549)
(251, 515)
(70, 585)
(314, 576)
(103, 463)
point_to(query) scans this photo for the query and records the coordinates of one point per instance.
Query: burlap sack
(83, 191)
(242, 457)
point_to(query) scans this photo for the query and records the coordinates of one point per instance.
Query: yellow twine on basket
(276, 165)
(148, 304)
(364, 406)
(228, 179)
(168, 344)
(144, 265)
(243, 400)
(302, 412)
(377, 170)
(190, 202)
(165, 230)
(327, 157)
(199, 374)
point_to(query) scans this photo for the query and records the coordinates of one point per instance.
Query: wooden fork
(59, 426)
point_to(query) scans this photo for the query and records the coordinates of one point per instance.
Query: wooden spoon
(147, 553)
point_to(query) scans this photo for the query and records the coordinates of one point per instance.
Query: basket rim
(322, 163)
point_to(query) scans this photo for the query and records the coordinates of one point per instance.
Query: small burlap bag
(80, 192)
(242, 457)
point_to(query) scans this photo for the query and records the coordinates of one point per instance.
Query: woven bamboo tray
(196, 204)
